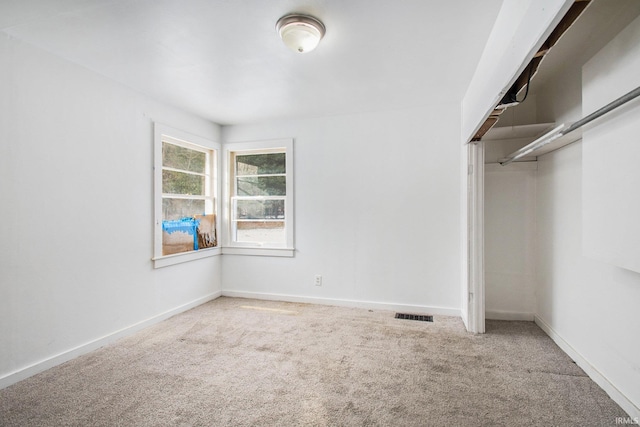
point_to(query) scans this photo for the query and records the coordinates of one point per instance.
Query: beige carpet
(239, 362)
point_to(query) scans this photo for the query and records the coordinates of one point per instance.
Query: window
(186, 209)
(259, 202)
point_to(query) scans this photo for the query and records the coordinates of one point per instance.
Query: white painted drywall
(591, 306)
(76, 187)
(510, 219)
(520, 28)
(377, 210)
(560, 100)
(510, 227)
(611, 182)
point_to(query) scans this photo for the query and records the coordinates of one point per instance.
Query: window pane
(262, 186)
(260, 164)
(260, 209)
(180, 208)
(260, 231)
(182, 183)
(177, 157)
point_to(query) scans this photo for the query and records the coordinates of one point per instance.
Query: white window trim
(236, 248)
(175, 135)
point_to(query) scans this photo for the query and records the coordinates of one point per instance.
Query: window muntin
(186, 196)
(258, 213)
(188, 200)
(260, 197)
(188, 190)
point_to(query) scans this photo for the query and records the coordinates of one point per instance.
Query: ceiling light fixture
(300, 33)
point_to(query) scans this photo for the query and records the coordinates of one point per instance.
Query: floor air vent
(419, 317)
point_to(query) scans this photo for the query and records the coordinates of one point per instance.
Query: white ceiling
(222, 59)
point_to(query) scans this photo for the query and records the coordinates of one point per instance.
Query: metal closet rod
(560, 132)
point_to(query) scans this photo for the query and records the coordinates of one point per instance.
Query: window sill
(166, 260)
(275, 252)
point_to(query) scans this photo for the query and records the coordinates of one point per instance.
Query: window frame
(229, 246)
(163, 133)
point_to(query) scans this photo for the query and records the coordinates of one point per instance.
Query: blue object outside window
(183, 225)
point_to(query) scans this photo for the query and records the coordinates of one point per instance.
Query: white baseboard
(417, 309)
(65, 356)
(627, 405)
(508, 315)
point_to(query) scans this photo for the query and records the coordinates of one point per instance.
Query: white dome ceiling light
(300, 33)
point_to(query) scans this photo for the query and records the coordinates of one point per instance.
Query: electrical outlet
(318, 280)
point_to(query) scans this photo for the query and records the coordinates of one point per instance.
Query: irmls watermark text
(627, 421)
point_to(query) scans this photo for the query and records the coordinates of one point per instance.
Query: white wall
(510, 234)
(589, 307)
(377, 211)
(510, 220)
(76, 219)
(611, 178)
(560, 100)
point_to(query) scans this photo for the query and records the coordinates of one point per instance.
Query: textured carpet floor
(239, 362)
